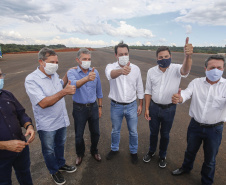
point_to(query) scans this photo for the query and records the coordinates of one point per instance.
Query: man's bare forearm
(116, 73)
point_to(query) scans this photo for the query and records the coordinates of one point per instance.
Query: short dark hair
(162, 48)
(45, 52)
(121, 45)
(84, 51)
(216, 57)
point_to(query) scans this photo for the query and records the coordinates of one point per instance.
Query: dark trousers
(81, 115)
(211, 138)
(161, 120)
(21, 165)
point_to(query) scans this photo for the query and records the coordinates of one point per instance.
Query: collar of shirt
(166, 69)
(222, 80)
(41, 74)
(80, 70)
(117, 65)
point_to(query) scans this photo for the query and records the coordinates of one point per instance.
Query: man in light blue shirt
(85, 107)
(46, 93)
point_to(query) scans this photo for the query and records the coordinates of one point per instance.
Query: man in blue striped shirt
(46, 92)
(85, 107)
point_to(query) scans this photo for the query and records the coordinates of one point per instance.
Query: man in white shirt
(125, 86)
(208, 113)
(162, 82)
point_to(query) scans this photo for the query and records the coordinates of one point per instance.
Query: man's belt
(208, 125)
(163, 106)
(84, 105)
(121, 103)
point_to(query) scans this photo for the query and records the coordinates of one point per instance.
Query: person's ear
(41, 62)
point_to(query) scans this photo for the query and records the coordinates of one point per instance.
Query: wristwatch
(100, 106)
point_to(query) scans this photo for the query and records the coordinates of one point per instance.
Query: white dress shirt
(162, 85)
(125, 87)
(208, 103)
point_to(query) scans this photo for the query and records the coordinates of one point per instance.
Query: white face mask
(86, 64)
(123, 60)
(50, 68)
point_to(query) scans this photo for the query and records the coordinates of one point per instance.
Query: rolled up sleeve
(148, 89)
(140, 87)
(99, 88)
(187, 93)
(72, 77)
(108, 70)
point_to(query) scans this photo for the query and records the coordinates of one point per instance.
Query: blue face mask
(1, 83)
(214, 74)
(164, 63)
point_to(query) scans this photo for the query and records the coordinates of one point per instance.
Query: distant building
(224, 54)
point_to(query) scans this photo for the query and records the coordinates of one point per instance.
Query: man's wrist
(29, 125)
(100, 106)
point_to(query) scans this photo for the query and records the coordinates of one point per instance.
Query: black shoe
(111, 154)
(58, 178)
(134, 158)
(179, 171)
(148, 156)
(69, 169)
(162, 162)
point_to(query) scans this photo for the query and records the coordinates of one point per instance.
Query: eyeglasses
(2, 75)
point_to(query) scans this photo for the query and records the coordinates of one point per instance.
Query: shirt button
(9, 126)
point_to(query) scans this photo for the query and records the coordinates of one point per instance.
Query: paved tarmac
(118, 171)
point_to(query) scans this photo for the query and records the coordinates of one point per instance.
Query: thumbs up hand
(70, 89)
(188, 48)
(92, 75)
(126, 69)
(176, 98)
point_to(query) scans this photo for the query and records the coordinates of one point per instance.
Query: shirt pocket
(219, 102)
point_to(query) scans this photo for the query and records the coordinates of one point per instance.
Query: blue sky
(99, 23)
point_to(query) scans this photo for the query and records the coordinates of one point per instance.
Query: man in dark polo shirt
(14, 150)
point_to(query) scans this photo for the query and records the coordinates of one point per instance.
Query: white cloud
(188, 29)
(11, 37)
(128, 30)
(74, 42)
(42, 21)
(210, 13)
(173, 44)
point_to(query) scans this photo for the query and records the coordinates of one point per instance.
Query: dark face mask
(164, 63)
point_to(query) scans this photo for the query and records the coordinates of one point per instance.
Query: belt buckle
(88, 105)
(202, 125)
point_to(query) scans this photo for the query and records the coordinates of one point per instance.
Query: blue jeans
(21, 164)
(117, 113)
(81, 115)
(53, 148)
(211, 138)
(161, 119)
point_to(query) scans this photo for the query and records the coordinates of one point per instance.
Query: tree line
(209, 49)
(9, 48)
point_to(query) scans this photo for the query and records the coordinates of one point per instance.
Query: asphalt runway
(118, 171)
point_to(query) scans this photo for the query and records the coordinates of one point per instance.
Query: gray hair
(45, 52)
(83, 51)
(216, 57)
